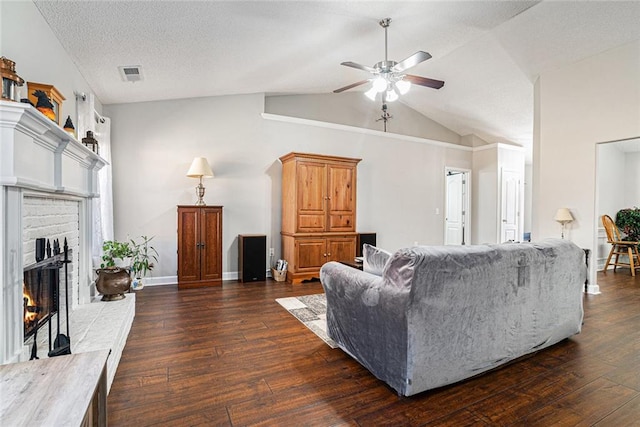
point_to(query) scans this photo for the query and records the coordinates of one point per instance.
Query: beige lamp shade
(200, 168)
(563, 216)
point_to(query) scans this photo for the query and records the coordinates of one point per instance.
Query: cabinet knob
(325, 255)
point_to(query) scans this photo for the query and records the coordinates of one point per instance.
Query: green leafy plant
(143, 256)
(113, 250)
(628, 220)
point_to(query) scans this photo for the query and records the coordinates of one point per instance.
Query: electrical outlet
(272, 252)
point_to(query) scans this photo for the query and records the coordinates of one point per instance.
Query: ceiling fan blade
(411, 61)
(358, 66)
(342, 89)
(424, 81)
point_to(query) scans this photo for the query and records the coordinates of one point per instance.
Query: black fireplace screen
(40, 294)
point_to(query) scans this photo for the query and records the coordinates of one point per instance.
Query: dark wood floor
(231, 356)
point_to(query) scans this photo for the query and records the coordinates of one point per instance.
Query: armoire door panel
(310, 253)
(188, 249)
(339, 222)
(341, 249)
(311, 192)
(308, 223)
(341, 190)
(211, 268)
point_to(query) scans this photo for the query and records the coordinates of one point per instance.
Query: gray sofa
(440, 314)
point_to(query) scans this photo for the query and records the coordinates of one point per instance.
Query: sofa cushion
(374, 259)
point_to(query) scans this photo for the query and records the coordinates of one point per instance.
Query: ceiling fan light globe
(391, 96)
(379, 84)
(403, 86)
(371, 93)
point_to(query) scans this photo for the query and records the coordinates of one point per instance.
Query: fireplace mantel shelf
(39, 155)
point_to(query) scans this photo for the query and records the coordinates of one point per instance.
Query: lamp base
(200, 194)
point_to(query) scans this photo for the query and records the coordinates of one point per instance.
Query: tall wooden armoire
(318, 212)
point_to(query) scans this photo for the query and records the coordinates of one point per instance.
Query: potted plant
(628, 220)
(142, 260)
(115, 254)
(114, 275)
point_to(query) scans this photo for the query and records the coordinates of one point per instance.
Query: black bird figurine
(44, 104)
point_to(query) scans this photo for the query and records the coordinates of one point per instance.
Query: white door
(456, 218)
(510, 221)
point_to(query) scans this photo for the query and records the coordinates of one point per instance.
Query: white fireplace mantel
(37, 157)
(38, 154)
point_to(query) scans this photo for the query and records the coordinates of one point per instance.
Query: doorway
(457, 217)
(510, 224)
(617, 177)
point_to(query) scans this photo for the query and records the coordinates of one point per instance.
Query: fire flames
(30, 312)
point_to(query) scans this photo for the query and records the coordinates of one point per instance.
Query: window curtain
(102, 221)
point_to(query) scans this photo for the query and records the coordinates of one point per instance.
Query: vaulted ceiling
(488, 52)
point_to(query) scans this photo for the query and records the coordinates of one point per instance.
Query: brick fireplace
(48, 184)
(54, 218)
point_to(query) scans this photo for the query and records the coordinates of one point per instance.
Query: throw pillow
(374, 259)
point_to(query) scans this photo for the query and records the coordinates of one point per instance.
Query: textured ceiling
(488, 52)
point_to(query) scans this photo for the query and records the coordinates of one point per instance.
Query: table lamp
(563, 216)
(200, 169)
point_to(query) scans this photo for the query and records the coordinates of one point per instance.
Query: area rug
(311, 310)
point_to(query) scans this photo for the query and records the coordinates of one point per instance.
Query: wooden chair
(620, 247)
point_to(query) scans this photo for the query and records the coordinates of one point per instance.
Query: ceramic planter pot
(113, 282)
(137, 284)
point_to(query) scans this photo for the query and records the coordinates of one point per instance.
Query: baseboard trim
(593, 289)
(161, 281)
(173, 280)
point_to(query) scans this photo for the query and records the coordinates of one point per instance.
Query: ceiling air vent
(131, 73)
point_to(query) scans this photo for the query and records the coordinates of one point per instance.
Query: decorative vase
(137, 284)
(113, 282)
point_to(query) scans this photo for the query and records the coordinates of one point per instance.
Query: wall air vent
(130, 73)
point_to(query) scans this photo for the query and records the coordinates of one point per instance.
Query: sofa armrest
(342, 279)
(367, 318)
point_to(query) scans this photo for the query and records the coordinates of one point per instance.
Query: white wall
(632, 180)
(400, 182)
(355, 109)
(26, 39)
(489, 162)
(485, 196)
(593, 100)
(528, 197)
(612, 181)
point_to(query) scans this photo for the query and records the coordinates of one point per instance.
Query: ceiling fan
(388, 76)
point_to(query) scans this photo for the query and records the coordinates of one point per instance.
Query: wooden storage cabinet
(199, 246)
(318, 212)
(310, 253)
(318, 193)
